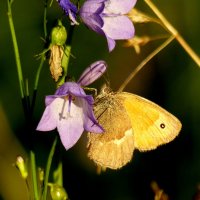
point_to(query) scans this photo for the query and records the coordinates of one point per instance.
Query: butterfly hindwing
(113, 148)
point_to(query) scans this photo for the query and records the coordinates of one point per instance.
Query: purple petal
(72, 17)
(70, 88)
(90, 122)
(70, 9)
(50, 116)
(111, 43)
(92, 21)
(92, 73)
(90, 14)
(70, 127)
(113, 27)
(66, 5)
(92, 6)
(119, 6)
(64, 90)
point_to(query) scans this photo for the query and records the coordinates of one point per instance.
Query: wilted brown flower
(137, 16)
(55, 61)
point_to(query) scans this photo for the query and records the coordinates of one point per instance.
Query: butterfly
(130, 122)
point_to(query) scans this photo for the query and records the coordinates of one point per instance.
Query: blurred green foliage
(171, 79)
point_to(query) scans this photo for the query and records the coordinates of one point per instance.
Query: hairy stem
(144, 62)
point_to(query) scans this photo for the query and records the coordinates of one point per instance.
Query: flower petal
(70, 9)
(50, 116)
(111, 43)
(64, 90)
(92, 6)
(113, 27)
(70, 127)
(90, 14)
(90, 122)
(92, 21)
(66, 5)
(119, 6)
(70, 88)
(92, 73)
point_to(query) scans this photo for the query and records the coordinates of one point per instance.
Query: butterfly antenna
(144, 62)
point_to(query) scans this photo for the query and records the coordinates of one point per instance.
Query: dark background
(171, 79)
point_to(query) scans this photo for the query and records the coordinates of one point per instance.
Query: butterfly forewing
(152, 125)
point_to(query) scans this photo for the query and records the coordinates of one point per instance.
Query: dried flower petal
(55, 61)
(139, 17)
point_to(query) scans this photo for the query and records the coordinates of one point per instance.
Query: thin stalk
(38, 72)
(41, 60)
(45, 19)
(16, 49)
(174, 32)
(144, 62)
(34, 176)
(48, 166)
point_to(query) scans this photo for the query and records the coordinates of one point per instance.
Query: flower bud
(41, 174)
(92, 73)
(59, 35)
(21, 166)
(57, 192)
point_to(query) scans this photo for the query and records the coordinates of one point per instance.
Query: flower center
(62, 114)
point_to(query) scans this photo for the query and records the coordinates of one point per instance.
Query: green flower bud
(57, 192)
(41, 174)
(21, 166)
(59, 35)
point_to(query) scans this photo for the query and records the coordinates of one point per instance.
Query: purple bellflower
(69, 9)
(108, 17)
(70, 109)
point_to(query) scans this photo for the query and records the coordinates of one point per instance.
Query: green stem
(43, 54)
(45, 19)
(16, 49)
(34, 176)
(38, 71)
(48, 166)
(42, 59)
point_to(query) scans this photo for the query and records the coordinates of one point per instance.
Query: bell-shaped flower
(108, 17)
(69, 9)
(92, 73)
(70, 110)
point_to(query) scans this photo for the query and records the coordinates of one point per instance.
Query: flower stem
(144, 62)
(48, 166)
(16, 49)
(34, 175)
(42, 58)
(174, 32)
(45, 19)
